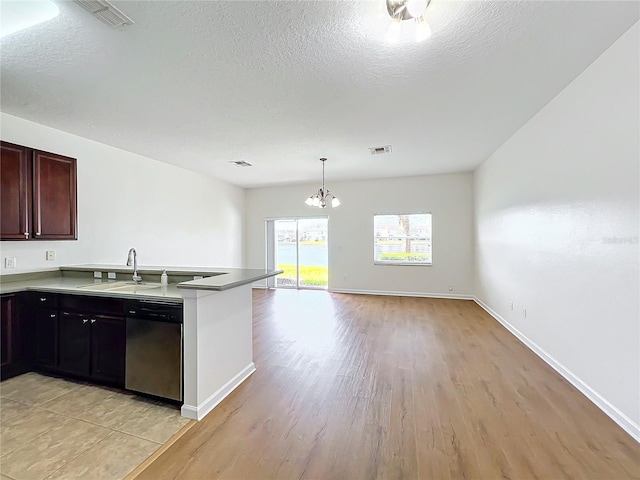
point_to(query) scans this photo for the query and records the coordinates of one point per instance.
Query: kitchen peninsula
(217, 316)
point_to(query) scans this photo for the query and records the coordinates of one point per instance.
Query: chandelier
(400, 10)
(322, 197)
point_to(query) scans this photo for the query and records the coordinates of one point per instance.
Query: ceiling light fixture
(322, 197)
(400, 10)
(16, 16)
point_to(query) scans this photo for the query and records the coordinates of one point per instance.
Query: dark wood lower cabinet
(45, 337)
(71, 335)
(92, 346)
(7, 325)
(12, 338)
(74, 344)
(108, 349)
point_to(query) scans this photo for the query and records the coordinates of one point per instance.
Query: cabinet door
(74, 344)
(108, 349)
(54, 197)
(46, 338)
(7, 333)
(12, 338)
(15, 192)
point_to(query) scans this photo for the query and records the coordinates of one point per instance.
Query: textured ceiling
(282, 83)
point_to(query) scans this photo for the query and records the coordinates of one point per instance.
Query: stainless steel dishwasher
(154, 349)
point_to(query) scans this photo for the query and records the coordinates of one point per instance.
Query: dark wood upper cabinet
(15, 192)
(54, 197)
(38, 195)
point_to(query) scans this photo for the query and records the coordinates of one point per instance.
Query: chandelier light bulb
(393, 32)
(17, 16)
(423, 30)
(335, 202)
(416, 7)
(309, 201)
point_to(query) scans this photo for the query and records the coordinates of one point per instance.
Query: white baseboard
(199, 412)
(616, 415)
(402, 294)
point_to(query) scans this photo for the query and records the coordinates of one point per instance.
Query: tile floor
(53, 429)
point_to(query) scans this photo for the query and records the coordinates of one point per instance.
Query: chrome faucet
(132, 259)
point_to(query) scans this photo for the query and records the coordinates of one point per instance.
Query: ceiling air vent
(105, 12)
(242, 164)
(380, 150)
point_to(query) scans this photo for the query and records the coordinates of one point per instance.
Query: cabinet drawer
(43, 300)
(95, 305)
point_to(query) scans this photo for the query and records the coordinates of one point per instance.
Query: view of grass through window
(402, 239)
(302, 252)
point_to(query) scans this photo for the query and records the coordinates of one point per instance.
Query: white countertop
(63, 281)
(70, 285)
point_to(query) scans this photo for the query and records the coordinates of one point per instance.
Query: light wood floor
(365, 387)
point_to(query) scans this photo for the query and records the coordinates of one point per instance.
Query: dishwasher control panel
(162, 312)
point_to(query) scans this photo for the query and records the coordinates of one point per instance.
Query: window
(402, 239)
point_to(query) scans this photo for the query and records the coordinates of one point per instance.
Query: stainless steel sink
(121, 286)
(136, 287)
(102, 286)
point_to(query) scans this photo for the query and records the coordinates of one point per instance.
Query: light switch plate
(111, 275)
(97, 274)
(9, 262)
(51, 255)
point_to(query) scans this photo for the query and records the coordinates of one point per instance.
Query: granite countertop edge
(235, 279)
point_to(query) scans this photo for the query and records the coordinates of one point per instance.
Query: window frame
(398, 263)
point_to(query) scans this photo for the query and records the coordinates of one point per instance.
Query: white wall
(448, 197)
(557, 225)
(170, 215)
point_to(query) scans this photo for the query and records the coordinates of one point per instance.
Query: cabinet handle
(37, 234)
(43, 299)
(26, 234)
(85, 320)
(53, 315)
(93, 320)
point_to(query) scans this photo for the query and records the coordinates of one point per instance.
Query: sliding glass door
(286, 253)
(299, 246)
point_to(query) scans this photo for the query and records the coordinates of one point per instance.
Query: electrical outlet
(111, 275)
(97, 274)
(51, 255)
(9, 262)
(451, 288)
